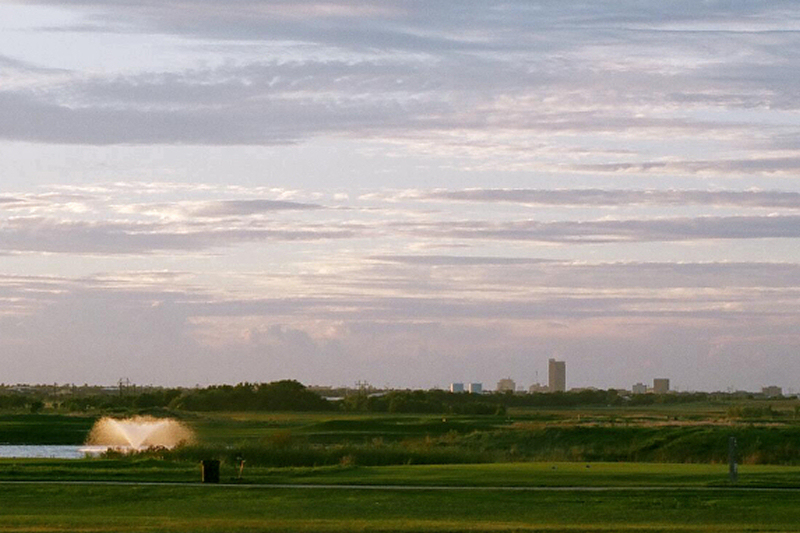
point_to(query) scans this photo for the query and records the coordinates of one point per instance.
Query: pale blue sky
(406, 192)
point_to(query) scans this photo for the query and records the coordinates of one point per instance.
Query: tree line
(290, 395)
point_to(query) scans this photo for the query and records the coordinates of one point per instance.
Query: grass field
(18, 428)
(32, 508)
(466, 475)
(524, 449)
(690, 498)
(697, 434)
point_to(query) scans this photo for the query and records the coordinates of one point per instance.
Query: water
(128, 434)
(139, 432)
(27, 451)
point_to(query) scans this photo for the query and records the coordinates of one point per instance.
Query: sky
(405, 192)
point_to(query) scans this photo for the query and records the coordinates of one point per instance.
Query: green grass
(543, 475)
(696, 497)
(32, 508)
(479, 475)
(308, 439)
(325, 428)
(148, 470)
(44, 428)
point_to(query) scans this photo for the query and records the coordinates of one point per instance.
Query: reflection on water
(54, 452)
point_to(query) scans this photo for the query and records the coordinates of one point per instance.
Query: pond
(49, 451)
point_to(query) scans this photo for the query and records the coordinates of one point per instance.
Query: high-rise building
(660, 385)
(556, 376)
(506, 385)
(639, 388)
(456, 387)
(772, 391)
(476, 388)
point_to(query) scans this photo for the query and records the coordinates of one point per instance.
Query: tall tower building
(660, 385)
(556, 376)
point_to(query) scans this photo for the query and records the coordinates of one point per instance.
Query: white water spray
(139, 432)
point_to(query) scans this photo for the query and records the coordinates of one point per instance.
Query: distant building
(536, 387)
(556, 376)
(772, 391)
(660, 385)
(476, 388)
(506, 385)
(639, 388)
(456, 387)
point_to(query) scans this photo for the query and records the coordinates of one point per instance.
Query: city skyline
(768, 391)
(400, 192)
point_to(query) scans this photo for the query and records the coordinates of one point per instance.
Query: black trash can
(210, 470)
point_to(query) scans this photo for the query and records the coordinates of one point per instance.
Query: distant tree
(286, 395)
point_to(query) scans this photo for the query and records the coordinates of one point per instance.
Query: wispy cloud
(215, 208)
(455, 260)
(246, 207)
(620, 307)
(31, 234)
(765, 165)
(610, 231)
(614, 197)
(598, 179)
(112, 219)
(413, 73)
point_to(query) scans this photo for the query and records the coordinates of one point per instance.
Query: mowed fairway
(228, 509)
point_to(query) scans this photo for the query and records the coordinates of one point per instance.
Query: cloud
(614, 197)
(7, 202)
(614, 231)
(413, 73)
(46, 203)
(161, 326)
(612, 94)
(525, 277)
(47, 235)
(246, 207)
(111, 219)
(35, 234)
(447, 260)
(200, 17)
(187, 210)
(764, 165)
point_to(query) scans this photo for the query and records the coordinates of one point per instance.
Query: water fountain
(138, 433)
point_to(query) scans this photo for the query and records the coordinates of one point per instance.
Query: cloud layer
(97, 224)
(309, 284)
(557, 88)
(402, 191)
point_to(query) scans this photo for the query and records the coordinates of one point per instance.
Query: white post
(732, 467)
